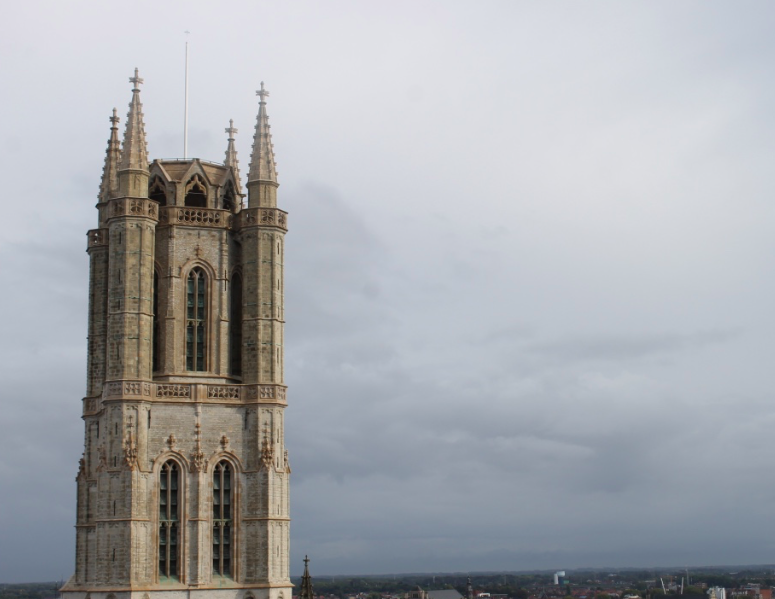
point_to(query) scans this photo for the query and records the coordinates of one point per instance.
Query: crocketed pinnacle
(134, 154)
(109, 183)
(306, 582)
(262, 164)
(231, 151)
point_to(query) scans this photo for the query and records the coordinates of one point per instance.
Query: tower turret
(183, 484)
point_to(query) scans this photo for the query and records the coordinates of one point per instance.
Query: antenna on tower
(185, 107)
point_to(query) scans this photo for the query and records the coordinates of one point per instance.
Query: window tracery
(196, 193)
(157, 190)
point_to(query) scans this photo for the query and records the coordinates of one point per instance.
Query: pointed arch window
(157, 190)
(196, 193)
(196, 320)
(235, 325)
(223, 518)
(169, 518)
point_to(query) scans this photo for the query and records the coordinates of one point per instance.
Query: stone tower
(183, 483)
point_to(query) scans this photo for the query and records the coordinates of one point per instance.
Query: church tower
(183, 483)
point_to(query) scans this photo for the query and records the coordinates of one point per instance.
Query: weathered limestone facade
(183, 483)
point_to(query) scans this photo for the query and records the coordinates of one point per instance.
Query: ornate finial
(306, 560)
(262, 93)
(172, 441)
(225, 443)
(136, 81)
(114, 119)
(231, 130)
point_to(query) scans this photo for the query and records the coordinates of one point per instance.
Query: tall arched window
(196, 193)
(235, 325)
(156, 324)
(222, 519)
(169, 528)
(196, 316)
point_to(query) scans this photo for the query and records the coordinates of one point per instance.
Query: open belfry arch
(183, 483)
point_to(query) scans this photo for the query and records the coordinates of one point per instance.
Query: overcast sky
(530, 267)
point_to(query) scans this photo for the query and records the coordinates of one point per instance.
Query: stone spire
(134, 153)
(262, 178)
(109, 183)
(231, 151)
(306, 591)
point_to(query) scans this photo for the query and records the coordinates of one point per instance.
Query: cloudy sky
(530, 268)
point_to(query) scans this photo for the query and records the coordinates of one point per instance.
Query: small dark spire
(306, 591)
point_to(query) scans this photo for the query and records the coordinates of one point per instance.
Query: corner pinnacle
(134, 155)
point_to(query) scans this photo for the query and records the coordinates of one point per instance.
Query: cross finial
(114, 119)
(306, 560)
(136, 80)
(231, 130)
(262, 93)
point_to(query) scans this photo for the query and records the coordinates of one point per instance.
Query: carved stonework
(198, 461)
(130, 447)
(286, 464)
(81, 469)
(102, 459)
(268, 217)
(172, 442)
(267, 449)
(225, 443)
(181, 391)
(222, 392)
(98, 237)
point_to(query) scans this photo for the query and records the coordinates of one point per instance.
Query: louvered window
(222, 519)
(196, 316)
(168, 521)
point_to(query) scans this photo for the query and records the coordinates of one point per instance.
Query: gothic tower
(183, 483)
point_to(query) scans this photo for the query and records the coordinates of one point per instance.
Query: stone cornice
(185, 393)
(138, 207)
(196, 217)
(263, 217)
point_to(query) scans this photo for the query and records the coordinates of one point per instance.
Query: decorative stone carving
(81, 469)
(286, 464)
(223, 392)
(97, 237)
(225, 443)
(102, 459)
(198, 461)
(130, 446)
(180, 391)
(268, 217)
(172, 442)
(267, 449)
